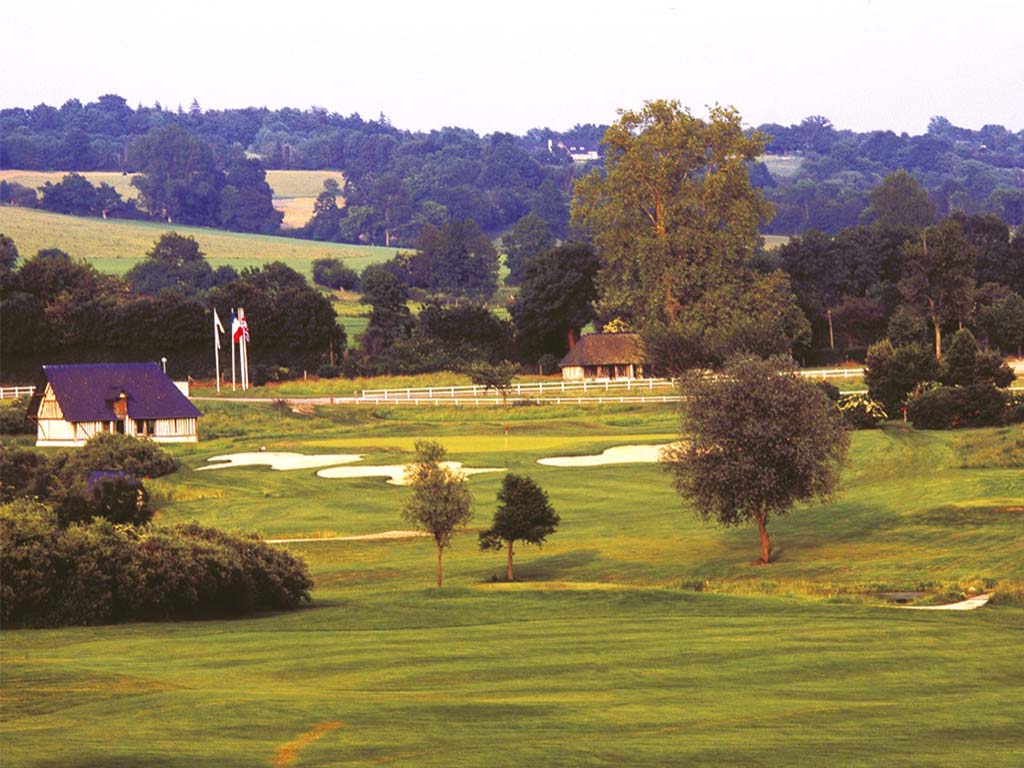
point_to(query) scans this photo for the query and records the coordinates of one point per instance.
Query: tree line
(56, 308)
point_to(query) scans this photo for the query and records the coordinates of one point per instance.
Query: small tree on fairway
(524, 514)
(498, 377)
(755, 442)
(441, 500)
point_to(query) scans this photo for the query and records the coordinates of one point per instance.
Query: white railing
(548, 400)
(517, 391)
(538, 388)
(6, 393)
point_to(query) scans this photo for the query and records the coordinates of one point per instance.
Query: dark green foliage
(74, 194)
(989, 367)
(175, 262)
(14, 416)
(892, 372)
(757, 316)
(831, 390)
(18, 195)
(524, 513)
(754, 442)
(100, 573)
(899, 201)
(119, 499)
(329, 371)
(332, 273)
(527, 240)
(107, 451)
(906, 327)
(555, 300)
(466, 333)
(977, 405)
(24, 472)
(458, 259)
(960, 363)
(390, 317)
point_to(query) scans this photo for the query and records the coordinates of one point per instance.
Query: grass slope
(603, 654)
(115, 246)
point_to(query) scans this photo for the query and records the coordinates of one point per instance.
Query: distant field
(301, 183)
(114, 246)
(120, 181)
(297, 210)
(782, 166)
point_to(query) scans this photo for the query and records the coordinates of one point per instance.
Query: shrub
(831, 390)
(329, 371)
(119, 499)
(978, 405)
(548, 364)
(14, 417)
(990, 367)
(891, 373)
(119, 453)
(99, 572)
(23, 472)
(861, 412)
(332, 273)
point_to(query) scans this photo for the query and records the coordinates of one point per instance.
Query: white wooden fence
(6, 393)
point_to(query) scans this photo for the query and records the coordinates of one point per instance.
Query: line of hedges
(99, 572)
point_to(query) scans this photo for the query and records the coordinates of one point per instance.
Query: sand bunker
(969, 604)
(282, 461)
(619, 454)
(396, 472)
(382, 536)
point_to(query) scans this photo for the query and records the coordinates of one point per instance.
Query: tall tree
(899, 201)
(390, 318)
(674, 214)
(755, 442)
(177, 176)
(940, 276)
(527, 240)
(524, 514)
(462, 260)
(441, 501)
(556, 299)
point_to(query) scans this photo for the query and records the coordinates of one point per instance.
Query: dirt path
(288, 753)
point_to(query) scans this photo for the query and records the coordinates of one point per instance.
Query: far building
(75, 402)
(605, 356)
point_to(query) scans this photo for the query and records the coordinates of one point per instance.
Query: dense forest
(398, 182)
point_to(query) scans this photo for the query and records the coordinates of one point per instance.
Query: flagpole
(244, 359)
(216, 350)
(232, 351)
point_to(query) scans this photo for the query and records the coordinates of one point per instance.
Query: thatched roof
(605, 349)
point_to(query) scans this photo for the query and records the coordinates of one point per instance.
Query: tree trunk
(510, 578)
(439, 550)
(766, 543)
(938, 338)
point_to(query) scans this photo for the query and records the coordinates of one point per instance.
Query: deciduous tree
(441, 501)
(755, 442)
(673, 215)
(524, 514)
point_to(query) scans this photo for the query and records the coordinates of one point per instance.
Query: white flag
(217, 327)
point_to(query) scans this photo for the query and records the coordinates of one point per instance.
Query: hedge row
(99, 572)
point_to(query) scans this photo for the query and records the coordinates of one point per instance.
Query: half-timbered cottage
(604, 356)
(74, 402)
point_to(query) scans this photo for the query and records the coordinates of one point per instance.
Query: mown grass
(115, 246)
(637, 636)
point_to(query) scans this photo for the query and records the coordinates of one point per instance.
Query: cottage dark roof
(88, 392)
(605, 349)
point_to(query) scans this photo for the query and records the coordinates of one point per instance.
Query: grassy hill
(637, 635)
(115, 246)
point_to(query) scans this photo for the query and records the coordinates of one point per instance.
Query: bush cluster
(977, 405)
(861, 412)
(99, 572)
(14, 417)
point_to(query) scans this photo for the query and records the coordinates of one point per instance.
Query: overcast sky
(515, 65)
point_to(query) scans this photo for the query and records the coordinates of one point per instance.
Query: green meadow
(637, 636)
(114, 246)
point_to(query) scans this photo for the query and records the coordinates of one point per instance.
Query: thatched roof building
(605, 356)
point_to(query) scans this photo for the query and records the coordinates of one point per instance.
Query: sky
(512, 66)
